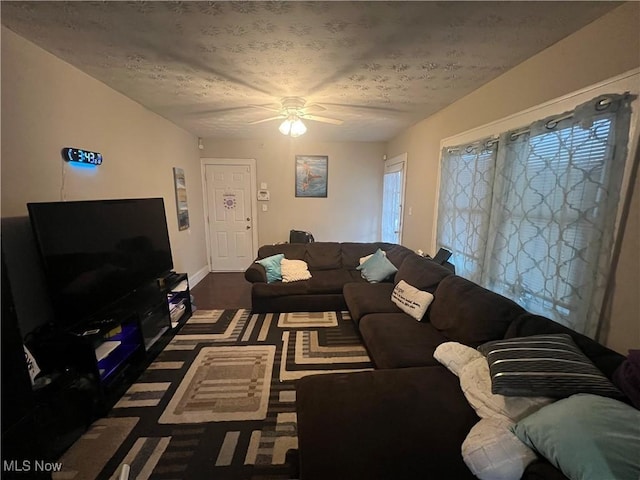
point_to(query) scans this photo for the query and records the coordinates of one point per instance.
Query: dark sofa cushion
(279, 289)
(328, 281)
(292, 251)
(467, 313)
(356, 276)
(383, 424)
(627, 377)
(602, 357)
(298, 303)
(541, 469)
(421, 272)
(364, 297)
(397, 253)
(323, 256)
(255, 273)
(395, 340)
(353, 252)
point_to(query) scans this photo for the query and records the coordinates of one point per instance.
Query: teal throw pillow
(587, 436)
(377, 268)
(272, 266)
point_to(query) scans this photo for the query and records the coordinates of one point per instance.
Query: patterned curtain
(466, 182)
(541, 230)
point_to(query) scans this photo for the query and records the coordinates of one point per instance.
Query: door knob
(248, 227)
(248, 219)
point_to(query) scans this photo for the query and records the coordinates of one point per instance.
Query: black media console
(110, 316)
(127, 338)
(85, 371)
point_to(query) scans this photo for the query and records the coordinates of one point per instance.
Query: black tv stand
(102, 323)
(171, 277)
(176, 288)
(116, 344)
(85, 370)
(128, 336)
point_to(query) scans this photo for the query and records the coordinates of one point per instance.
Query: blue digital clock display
(78, 155)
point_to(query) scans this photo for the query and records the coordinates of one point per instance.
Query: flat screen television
(97, 252)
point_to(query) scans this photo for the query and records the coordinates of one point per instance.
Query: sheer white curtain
(464, 206)
(553, 203)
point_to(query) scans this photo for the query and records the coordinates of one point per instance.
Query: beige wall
(607, 47)
(351, 211)
(621, 329)
(48, 104)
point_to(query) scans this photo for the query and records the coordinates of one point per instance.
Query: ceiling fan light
(285, 127)
(293, 127)
(298, 128)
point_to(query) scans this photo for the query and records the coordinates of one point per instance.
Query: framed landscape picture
(312, 175)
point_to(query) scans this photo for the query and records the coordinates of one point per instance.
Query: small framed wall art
(312, 174)
(181, 198)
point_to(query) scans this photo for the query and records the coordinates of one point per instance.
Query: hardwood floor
(222, 290)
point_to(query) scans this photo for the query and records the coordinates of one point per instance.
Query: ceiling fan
(293, 110)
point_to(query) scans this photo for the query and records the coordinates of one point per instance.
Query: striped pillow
(543, 365)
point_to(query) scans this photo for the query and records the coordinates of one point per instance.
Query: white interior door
(229, 212)
(393, 198)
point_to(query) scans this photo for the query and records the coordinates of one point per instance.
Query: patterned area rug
(219, 401)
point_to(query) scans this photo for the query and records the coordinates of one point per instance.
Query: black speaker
(442, 256)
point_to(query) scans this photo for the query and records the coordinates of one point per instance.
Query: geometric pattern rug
(219, 401)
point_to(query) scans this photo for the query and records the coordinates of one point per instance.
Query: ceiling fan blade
(267, 119)
(209, 113)
(313, 107)
(316, 118)
(272, 107)
(366, 107)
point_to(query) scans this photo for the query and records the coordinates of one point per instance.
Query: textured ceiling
(379, 66)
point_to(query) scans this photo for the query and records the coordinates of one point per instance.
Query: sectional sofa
(411, 417)
(332, 265)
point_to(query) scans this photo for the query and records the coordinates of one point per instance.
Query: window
(541, 229)
(393, 199)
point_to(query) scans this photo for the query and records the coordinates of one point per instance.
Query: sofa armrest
(406, 433)
(255, 273)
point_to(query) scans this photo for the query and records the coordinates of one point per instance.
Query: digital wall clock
(79, 155)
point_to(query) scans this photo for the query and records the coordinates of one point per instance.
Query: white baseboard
(198, 276)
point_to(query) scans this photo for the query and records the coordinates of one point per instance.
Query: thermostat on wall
(263, 195)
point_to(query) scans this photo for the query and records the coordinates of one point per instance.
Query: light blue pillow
(272, 266)
(377, 267)
(587, 436)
